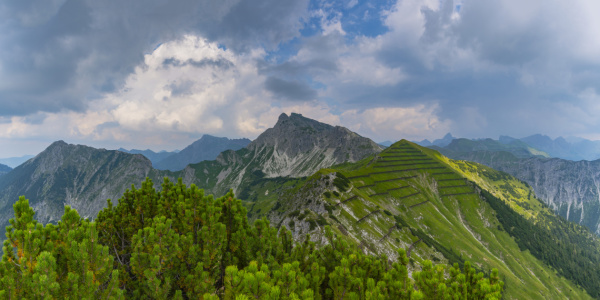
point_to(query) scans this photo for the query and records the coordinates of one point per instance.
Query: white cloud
(185, 87)
(352, 3)
(330, 21)
(364, 70)
(382, 123)
(406, 22)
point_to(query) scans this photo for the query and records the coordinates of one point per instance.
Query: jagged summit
(299, 146)
(58, 143)
(299, 120)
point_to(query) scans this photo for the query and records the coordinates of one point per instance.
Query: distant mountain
(463, 148)
(572, 149)
(75, 175)
(4, 169)
(206, 148)
(386, 143)
(13, 162)
(154, 157)
(443, 142)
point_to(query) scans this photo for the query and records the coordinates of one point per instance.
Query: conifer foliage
(181, 244)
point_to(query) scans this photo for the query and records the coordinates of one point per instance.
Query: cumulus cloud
(58, 55)
(168, 103)
(397, 123)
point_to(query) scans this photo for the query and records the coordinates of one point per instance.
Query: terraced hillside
(411, 197)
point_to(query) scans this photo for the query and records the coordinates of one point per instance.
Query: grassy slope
(380, 202)
(516, 193)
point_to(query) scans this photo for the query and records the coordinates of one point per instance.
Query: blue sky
(158, 74)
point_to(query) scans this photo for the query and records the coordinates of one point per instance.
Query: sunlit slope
(410, 197)
(516, 193)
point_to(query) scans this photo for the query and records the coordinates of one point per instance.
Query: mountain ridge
(76, 175)
(154, 157)
(207, 147)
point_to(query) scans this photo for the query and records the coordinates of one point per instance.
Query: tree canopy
(180, 243)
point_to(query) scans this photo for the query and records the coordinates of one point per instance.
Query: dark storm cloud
(56, 55)
(291, 90)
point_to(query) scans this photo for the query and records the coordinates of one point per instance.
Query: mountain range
(459, 148)
(154, 157)
(207, 147)
(13, 162)
(447, 139)
(570, 148)
(304, 174)
(84, 177)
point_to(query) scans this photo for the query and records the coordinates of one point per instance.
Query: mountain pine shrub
(181, 244)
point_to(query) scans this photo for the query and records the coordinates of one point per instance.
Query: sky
(159, 74)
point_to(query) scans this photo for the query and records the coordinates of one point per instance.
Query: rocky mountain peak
(294, 138)
(76, 175)
(298, 121)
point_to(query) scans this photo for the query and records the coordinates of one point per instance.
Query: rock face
(75, 175)
(571, 188)
(206, 148)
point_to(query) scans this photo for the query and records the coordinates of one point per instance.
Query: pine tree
(182, 244)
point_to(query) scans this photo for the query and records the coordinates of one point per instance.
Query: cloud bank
(159, 73)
